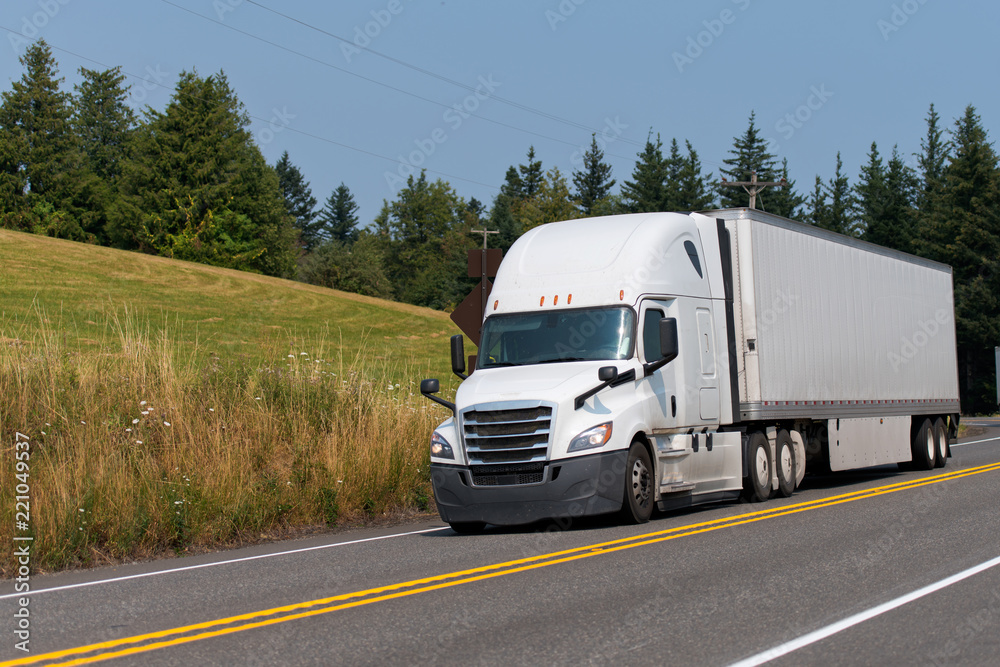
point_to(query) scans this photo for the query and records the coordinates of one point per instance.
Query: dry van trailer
(846, 346)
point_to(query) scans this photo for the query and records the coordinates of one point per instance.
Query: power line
(267, 120)
(435, 75)
(377, 82)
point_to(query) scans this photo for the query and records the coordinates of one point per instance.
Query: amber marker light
(541, 302)
(495, 304)
(621, 295)
(569, 299)
(555, 300)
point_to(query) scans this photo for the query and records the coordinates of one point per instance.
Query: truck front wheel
(637, 505)
(757, 485)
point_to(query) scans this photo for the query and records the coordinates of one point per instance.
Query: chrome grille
(507, 436)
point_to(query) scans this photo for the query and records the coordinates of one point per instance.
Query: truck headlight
(440, 447)
(597, 436)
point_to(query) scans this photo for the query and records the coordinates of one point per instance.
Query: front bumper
(575, 487)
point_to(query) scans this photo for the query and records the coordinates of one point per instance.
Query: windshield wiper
(555, 361)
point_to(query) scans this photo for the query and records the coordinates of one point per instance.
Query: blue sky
(821, 77)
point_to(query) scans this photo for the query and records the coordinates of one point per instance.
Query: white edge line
(34, 592)
(974, 442)
(850, 621)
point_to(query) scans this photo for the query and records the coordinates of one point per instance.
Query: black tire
(468, 527)
(757, 484)
(941, 438)
(785, 463)
(639, 494)
(924, 446)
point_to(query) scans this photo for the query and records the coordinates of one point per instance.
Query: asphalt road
(875, 567)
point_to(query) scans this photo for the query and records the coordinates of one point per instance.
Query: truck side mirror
(458, 356)
(669, 349)
(607, 373)
(430, 387)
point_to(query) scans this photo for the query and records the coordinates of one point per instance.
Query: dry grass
(141, 441)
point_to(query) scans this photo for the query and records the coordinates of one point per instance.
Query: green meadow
(171, 406)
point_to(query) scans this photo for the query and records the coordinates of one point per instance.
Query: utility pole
(485, 232)
(753, 186)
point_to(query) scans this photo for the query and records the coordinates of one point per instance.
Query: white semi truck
(671, 359)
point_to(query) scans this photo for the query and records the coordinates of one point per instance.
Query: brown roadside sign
(493, 257)
(469, 314)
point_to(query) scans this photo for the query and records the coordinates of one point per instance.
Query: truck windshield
(567, 335)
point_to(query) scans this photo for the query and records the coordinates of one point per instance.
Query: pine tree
(502, 220)
(870, 191)
(674, 165)
(885, 195)
(932, 159)
(198, 188)
(299, 202)
(831, 203)
(513, 186)
(838, 189)
(103, 121)
(902, 186)
(693, 193)
(531, 175)
(647, 191)
(37, 113)
(12, 181)
(338, 220)
(783, 201)
(965, 234)
(819, 210)
(749, 154)
(593, 182)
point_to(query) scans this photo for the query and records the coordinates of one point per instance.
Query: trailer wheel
(785, 465)
(468, 527)
(637, 505)
(941, 437)
(924, 447)
(757, 485)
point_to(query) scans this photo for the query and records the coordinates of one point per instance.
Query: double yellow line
(189, 633)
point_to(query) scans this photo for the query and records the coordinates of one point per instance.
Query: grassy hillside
(207, 310)
(171, 404)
